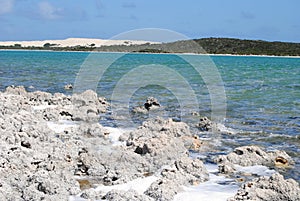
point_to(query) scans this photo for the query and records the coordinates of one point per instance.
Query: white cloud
(6, 6)
(49, 12)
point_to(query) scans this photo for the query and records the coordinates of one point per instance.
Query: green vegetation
(200, 46)
(248, 47)
(47, 45)
(151, 51)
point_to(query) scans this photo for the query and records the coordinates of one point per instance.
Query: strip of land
(198, 46)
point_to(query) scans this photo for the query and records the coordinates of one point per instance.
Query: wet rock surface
(250, 156)
(150, 104)
(274, 188)
(205, 124)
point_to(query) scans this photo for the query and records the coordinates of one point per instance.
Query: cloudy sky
(272, 20)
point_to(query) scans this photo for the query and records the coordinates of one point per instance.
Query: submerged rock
(150, 104)
(68, 87)
(274, 188)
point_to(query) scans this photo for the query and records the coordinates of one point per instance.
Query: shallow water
(262, 93)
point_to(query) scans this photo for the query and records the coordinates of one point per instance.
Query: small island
(230, 46)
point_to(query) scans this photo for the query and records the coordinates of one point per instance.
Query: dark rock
(142, 150)
(26, 144)
(151, 103)
(68, 87)
(205, 124)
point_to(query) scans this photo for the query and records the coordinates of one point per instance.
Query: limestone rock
(274, 188)
(130, 195)
(163, 190)
(16, 90)
(252, 155)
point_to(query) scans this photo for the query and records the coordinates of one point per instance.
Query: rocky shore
(53, 148)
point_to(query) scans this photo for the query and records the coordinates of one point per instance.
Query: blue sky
(272, 20)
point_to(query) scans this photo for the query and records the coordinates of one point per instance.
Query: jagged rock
(185, 171)
(40, 98)
(92, 194)
(130, 195)
(252, 155)
(274, 188)
(16, 90)
(159, 141)
(87, 106)
(163, 190)
(193, 169)
(35, 162)
(151, 103)
(205, 124)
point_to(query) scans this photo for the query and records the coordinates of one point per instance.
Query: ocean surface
(262, 94)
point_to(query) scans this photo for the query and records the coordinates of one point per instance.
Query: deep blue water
(262, 93)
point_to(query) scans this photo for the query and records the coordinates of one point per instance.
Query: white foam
(256, 169)
(224, 129)
(114, 134)
(212, 190)
(140, 185)
(61, 125)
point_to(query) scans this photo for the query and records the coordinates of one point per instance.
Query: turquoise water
(262, 93)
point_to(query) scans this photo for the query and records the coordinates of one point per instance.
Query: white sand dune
(71, 42)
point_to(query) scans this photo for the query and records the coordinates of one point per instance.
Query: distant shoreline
(206, 46)
(232, 55)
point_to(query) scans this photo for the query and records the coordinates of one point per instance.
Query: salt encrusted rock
(89, 130)
(186, 171)
(274, 188)
(159, 141)
(36, 163)
(252, 155)
(90, 194)
(130, 195)
(163, 190)
(193, 169)
(16, 90)
(87, 106)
